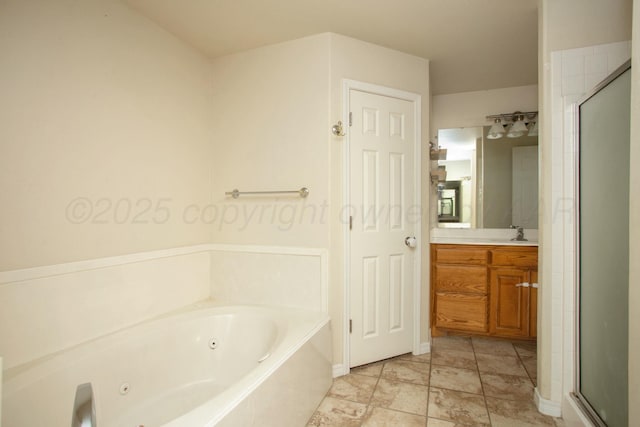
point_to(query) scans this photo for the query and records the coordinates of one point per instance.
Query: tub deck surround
(59, 326)
(252, 347)
(48, 309)
(292, 277)
(79, 301)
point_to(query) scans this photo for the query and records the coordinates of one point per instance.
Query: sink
(483, 237)
(484, 241)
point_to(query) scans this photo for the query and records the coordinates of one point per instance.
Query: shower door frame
(581, 401)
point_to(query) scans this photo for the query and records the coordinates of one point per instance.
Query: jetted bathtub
(202, 366)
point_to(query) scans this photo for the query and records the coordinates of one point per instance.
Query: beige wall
(273, 108)
(271, 129)
(571, 24)
(468, 109)
(544, 188)
(634, 225)
(563, 25)
(97, 102)
(105, 106)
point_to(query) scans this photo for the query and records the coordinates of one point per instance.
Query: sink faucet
(520, 236)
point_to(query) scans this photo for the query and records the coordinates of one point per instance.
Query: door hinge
(350, 119)
(350, 222)
(350, 325)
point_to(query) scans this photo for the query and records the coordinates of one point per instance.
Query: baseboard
(340, 370)
(424, 347)
(546, 406)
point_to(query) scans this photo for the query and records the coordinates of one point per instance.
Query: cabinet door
(509, 302)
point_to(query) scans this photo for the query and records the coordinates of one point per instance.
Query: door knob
(410, 241)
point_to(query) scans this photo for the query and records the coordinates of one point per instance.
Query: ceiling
(472, 44)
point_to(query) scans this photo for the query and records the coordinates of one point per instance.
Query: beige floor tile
(508, 387)
(381, 417)
(500, 365)
(337, 412)
(457, 406)
(401, 396)
(452, 343)
(426, 357)
(525, 348)
(358, 388)
(462, 373)
(453, 378)
(493, 346)
(405, 371)
(434, 422)
(370, 369)
(559, 422)
(531, 365)
(456, 358)
(516, 413)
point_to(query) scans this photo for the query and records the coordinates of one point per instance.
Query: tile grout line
(379, 377)
(484, 396)
(375, 388)
(525, 366)
(426, 420)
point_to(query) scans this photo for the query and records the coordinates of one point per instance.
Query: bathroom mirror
(490, 183)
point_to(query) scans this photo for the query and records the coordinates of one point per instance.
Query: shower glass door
(603, 285)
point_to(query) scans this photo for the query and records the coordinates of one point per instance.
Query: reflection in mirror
(490, 183)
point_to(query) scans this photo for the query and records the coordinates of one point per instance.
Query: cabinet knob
(522, 285)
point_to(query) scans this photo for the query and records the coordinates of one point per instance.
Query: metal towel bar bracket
(303, 192)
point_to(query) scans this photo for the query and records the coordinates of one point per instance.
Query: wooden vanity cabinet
(485, 290)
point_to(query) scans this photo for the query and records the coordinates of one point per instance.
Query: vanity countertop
(498, 237)
(482, 241)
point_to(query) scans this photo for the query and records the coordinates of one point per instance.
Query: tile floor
(462, 382)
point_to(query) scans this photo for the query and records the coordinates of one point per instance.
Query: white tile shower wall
(47, 309)
(574, 73)
(291, 277)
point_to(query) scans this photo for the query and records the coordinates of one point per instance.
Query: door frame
(416, 99)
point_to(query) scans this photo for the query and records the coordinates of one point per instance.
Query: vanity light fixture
(497, 130)
(518, 128)
(513, 125)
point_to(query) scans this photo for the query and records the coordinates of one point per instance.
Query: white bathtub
(269, 366)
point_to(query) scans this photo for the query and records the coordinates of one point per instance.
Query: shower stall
(602, 265)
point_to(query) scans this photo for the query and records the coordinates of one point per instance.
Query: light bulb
(496, 131)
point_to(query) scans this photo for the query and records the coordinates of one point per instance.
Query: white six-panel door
(382, 200)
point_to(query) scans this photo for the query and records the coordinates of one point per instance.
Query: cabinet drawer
(516, 257)
(461, 312)
(461, 278)
(453, 255)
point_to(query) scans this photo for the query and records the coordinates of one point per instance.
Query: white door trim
(416, 99)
